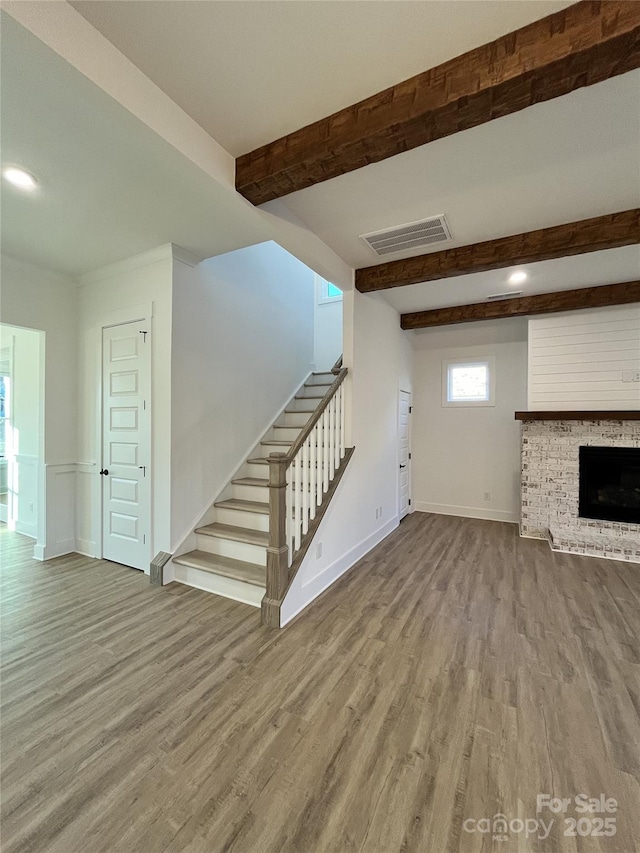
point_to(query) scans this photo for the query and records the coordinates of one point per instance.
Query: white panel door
(404, 454)
(126, 444)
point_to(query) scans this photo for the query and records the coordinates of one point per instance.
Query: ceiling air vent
(508, 295)
(414, 235)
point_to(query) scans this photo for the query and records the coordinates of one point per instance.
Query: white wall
(34, 298)
(24, 438)
(378, 355)
(459, 454)
(580, 360)
(327, 331)
(112, 295)
(243, 342)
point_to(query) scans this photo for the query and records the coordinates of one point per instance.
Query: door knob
(104, 471)
(403, 466)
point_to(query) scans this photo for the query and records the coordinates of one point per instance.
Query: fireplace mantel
(628, 415)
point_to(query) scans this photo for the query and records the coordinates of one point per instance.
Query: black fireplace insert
(610, 483)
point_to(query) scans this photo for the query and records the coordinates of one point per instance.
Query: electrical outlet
(318, 550)
(631, 375)
(487, 496)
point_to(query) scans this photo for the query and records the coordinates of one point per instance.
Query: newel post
(277, 550)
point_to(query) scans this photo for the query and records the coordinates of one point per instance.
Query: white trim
(142, 313)
(410, 507)
(322, 284)
(42, 274)
(469, 512)
(185, 256)
(144, 259)
(340, 566)
(448, 363)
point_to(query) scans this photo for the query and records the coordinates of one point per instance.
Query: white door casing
(404, 454)
(126, 444)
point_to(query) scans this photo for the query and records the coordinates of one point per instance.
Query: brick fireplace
(550, 481)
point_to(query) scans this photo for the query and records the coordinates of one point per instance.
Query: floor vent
(414, 235)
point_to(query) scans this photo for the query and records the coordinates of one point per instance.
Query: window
(326, 291)
(468, 382)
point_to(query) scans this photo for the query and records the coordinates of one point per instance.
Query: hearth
(610, 483)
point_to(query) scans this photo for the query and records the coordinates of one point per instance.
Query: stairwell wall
(242, 344)
(378, 355)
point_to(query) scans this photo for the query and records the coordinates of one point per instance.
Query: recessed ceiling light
(20, 178)
(518, 277)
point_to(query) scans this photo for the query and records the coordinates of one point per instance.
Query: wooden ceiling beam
(586, 43)
(574, 238)
(543, 303)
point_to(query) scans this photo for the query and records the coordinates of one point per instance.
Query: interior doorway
(404, 454)
(126, 444)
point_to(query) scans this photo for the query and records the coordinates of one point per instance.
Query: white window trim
(322, 295)
(490, 361)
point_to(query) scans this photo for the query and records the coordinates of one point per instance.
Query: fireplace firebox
(610, 483)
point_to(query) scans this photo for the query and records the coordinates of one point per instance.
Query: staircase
(231, 554)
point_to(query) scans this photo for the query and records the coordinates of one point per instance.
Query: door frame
(402, 390)
(141, 313)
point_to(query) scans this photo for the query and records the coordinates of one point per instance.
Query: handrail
(301, 483)
(308, 429)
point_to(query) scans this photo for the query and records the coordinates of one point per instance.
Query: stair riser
(301, 403)
(227, 587)
(252, 493)
(250, 520)
(313, 391)
(266, 449)
(255, 470)
(230, 548)
(286, 433)
(295, 419)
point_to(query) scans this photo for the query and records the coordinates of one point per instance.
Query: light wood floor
(457, 672)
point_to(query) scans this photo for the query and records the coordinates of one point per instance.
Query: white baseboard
(43, 552)
(324, 579)
(483, 513)
(26, 529)
(87, 548)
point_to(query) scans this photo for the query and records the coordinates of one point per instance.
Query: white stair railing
(313, 461)
(299, 481)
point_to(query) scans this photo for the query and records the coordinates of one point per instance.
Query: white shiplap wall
(577, 360)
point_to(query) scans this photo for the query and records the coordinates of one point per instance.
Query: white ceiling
(563, 160)
(250, 72)
(109, 187)
(590, 270)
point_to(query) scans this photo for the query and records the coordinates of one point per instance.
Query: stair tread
(299, 411)
(245, 506)
(310, 397)
(225, 566)
(258, 460)
(237, 534)
(280, 442)
(250, 481)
